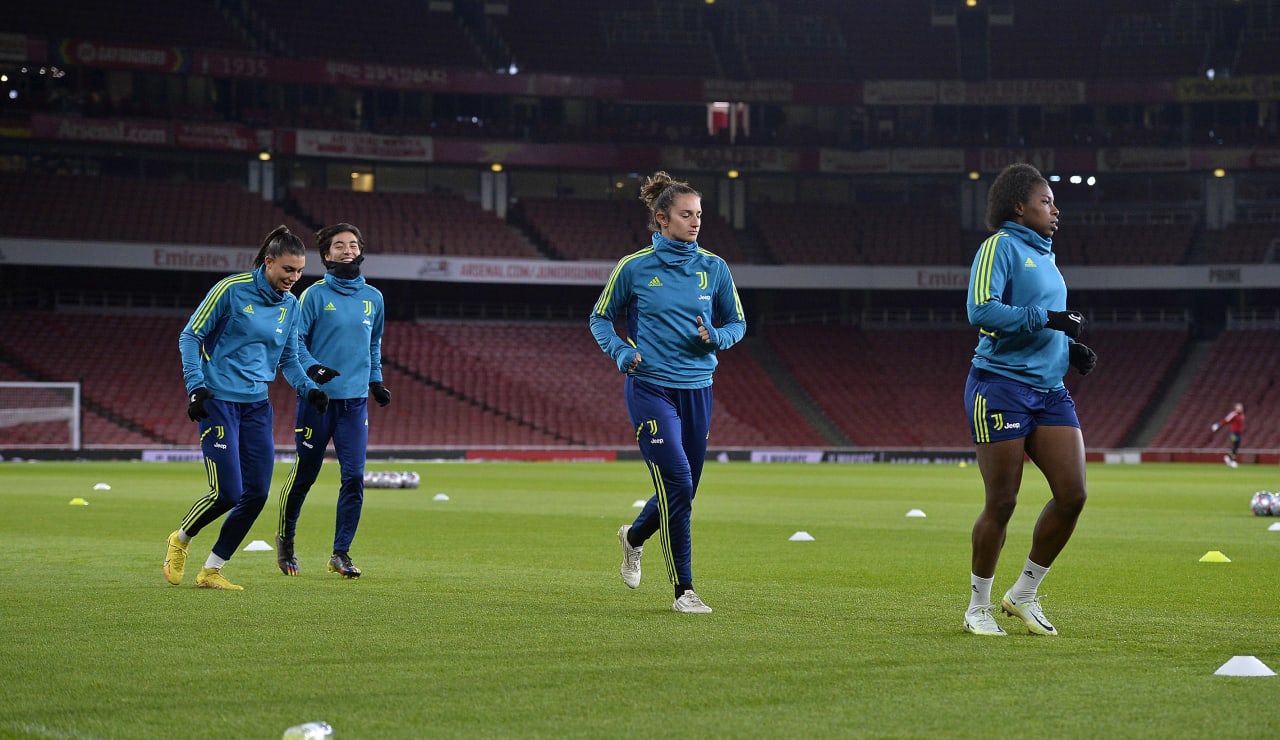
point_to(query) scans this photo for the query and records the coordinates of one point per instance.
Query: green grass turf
(500, 612)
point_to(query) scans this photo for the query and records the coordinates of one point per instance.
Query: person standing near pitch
(1234, 422)
(243, 330)
(1015, 398)
(341, 326)
(681, 307)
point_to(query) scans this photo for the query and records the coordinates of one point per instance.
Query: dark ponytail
(279, 241)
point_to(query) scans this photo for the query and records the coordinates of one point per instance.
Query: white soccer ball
(1263, 503)
(1275, 504)
(410, 479)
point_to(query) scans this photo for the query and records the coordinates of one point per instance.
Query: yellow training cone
(1213, 556)
(79, 502)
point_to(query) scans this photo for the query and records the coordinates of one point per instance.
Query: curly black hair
(1012, 186)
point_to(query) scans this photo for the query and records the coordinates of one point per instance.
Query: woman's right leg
(1001, 465)
(659, 434)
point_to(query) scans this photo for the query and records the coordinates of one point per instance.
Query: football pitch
(500, 613)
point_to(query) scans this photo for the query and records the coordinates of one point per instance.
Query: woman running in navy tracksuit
(341, 327)
(681, 306)
(243, 330)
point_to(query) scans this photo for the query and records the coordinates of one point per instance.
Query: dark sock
(682, 587)
(631, 541)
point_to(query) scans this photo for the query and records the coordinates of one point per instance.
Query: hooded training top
(1013, 285)
(663, 289)
(239, 334)
(340, 327)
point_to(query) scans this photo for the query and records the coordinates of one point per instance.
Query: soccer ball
(1275, 504)
(411, 479)
(1263, 503)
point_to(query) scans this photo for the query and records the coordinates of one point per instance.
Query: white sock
(1024, 589)
(214, 561)
(183, 537)
(980, 591)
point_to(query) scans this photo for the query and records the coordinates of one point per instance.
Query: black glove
(321, 374)
(1082, 358)
(195, 404)
(1070, 323)
(318, 399)
(380, 393)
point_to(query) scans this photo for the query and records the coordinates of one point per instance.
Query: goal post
(34, 414)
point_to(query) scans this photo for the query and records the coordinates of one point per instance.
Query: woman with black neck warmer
(340, 327)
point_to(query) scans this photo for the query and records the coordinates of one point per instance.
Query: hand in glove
(380, 393)
(318, 399)
(321, 374)
(195, 404)
(1070, 323)
(1082, 358)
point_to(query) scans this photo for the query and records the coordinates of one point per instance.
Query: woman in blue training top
(341, 326)
(681, 306)
(243, 330)
(1016, 401)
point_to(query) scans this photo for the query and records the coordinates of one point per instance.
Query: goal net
(39, 415)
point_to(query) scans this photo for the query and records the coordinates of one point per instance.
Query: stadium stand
(1131, 244)
(518, 372)
(528, 28)
(1134, 365)
(586, 229)
(389, 32)
(581, 229)
(504, 383)
(903, 387)
(873, 34)
(137, 210)
(811, 233)
(1244, 366)
(1244, 242)
(198, 24)
(128, 368)
(416, 223)
(815, 233)
(882, 388)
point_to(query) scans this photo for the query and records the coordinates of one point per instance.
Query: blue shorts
(1001, 408)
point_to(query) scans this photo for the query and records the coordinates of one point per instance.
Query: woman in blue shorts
(1016, 401)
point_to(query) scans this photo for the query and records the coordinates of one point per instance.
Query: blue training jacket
(663, 289)
(239, 334)
(1013, 285)
(341, 328)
